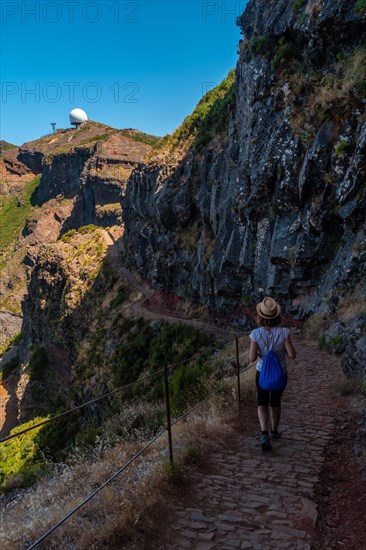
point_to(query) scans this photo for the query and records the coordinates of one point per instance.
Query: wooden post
(237, 368)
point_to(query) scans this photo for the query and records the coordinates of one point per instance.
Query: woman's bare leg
(276, 415)
(263, 417)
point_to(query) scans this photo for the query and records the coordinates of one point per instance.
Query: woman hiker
(269, 333)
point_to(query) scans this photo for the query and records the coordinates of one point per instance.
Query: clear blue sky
(140, 64)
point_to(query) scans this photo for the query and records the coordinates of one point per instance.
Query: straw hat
(268, 308)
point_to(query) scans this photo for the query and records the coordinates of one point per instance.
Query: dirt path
(243, 498)
(141, 309)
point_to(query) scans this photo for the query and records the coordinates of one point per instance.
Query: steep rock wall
(278, 205)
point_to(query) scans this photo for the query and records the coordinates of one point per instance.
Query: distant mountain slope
(59, 182)
(6, 146)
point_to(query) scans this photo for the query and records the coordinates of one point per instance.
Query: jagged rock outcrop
(10, 325)
(62, 289)
(276, 205)
(14, 174)
(348, 339)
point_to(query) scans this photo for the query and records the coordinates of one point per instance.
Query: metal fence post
(237, 368)
(168, 415)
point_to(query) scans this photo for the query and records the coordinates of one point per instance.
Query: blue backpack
(272, 376)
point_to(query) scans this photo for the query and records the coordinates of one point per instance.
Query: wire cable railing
(96, 399)
(127, 464)
(94, 493)
(168, 429)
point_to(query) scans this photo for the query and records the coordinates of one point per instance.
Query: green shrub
(173, 472)
(20, 462)
(360, 87)
(330, 93)
(10, 367)
(56, 438)
(88, 433)
(262, 45)
(66, 237)
(132, 356)
(6, 146)
(13, 217)
(136, 135)
(85, 229)
(38, 363)
(285, 52)
(360, 6)
(192, 455)
(343, 147)
(298, 4)
(146, 349)
(209, 118)
(122, 296)
(186, 385)
(335, 341)
(9, 343)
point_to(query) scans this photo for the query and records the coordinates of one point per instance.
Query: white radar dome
(77, 116)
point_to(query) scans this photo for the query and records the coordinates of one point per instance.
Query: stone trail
(250, 499)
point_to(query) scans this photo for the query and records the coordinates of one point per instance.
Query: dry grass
(112, 172)
(354, 303)
(188, 237)
(328, 95)
(315, 325)
(117, 512)
(126, 507)
(313, 8)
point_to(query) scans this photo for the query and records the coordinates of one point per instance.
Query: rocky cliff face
(91, 164)
(82, 174)
(276, 205)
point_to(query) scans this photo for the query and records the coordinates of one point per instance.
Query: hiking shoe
(265, 442)
(275, 435)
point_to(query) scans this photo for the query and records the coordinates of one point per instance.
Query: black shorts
(268, 397)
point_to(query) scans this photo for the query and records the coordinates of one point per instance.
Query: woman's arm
(253, 351)
(289, 347)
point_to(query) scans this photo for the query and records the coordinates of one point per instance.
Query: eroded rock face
(10, 325)
(96, 174)
(278, 206)
(348, 339)
(91, 165)
(14, 173)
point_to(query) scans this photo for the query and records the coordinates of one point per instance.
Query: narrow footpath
(243, 498)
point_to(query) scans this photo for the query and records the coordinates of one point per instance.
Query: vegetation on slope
(315, 94)
(136, 135)
(127, 506)
(6, 146)
(20, 460)
(13, 214)
(79, 305)
(9, 343)
(144, 349)
(86, 136)
(209, 118)
(329, 94)
(360, 6)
